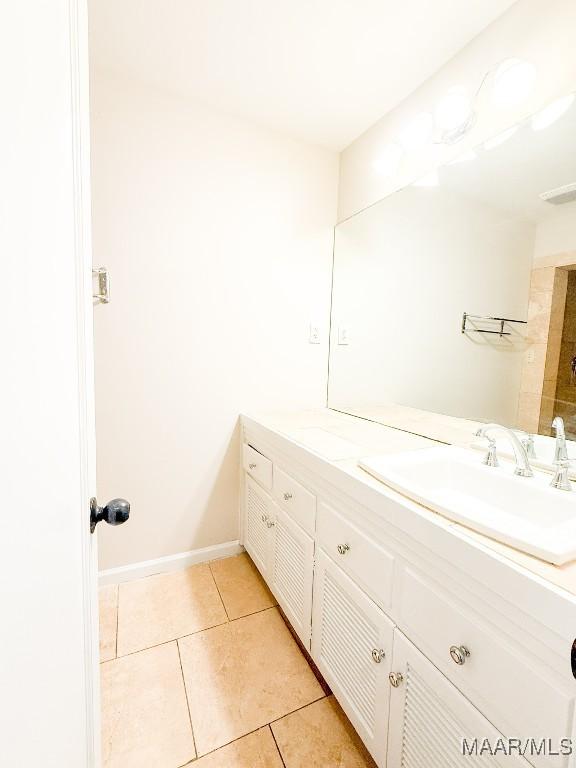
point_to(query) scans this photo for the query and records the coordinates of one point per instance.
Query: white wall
(218, 237)
(405, 271)
(556, 234)
(539, 31)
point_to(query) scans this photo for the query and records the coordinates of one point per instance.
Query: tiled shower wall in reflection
(565, 401)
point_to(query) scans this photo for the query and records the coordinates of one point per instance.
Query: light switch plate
(343, 335)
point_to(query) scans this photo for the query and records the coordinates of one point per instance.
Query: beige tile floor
(199, 669)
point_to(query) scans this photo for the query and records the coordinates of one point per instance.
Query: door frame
(80, 108)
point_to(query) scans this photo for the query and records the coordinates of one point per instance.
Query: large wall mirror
(457, 295)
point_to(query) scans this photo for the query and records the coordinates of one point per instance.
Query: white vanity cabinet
(432, 724)
(283, 553)
(418, 651)
(352, 646)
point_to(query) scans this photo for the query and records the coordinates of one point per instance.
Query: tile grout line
(298, 709)
(190, 634)
(255, 730)
(218, 589)
(277, 747)
(187, 703)
(117, 619)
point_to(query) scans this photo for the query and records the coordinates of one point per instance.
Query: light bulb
(454, 114)
(513, 81)
(388, 161)
(552, 112)
(418, 132)
(495, 141)
(430, 180)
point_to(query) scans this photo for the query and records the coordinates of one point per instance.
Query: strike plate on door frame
(103, 295)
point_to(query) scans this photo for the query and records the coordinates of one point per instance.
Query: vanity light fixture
(513, 81)
(454, 115)
(418, 132)
(552, 112)
(388, 161)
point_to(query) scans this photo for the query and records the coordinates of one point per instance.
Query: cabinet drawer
(517, 694)
(369, 564)
(296, 500)
(257, 465)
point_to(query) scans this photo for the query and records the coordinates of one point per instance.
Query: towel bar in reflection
(502, 322)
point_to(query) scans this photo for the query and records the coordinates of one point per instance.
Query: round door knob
(377, 655)
(115, 512)
(343, 548)
(395, 679)
(459, 654)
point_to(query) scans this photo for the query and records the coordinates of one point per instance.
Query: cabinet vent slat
(255, 528)
(347, 640)
(431, 733)
(289, 569)
(342, 613)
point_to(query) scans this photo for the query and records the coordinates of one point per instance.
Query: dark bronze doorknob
(115, 512)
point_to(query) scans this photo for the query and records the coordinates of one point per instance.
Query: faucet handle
(491, 458)
(528, 444)
(561, 479)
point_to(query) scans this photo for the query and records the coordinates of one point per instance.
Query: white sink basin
(522, 512)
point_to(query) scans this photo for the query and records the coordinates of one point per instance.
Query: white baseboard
(170, 563)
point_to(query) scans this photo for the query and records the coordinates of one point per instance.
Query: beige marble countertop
(342, 439)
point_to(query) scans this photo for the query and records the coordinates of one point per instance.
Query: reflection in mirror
(457, 295)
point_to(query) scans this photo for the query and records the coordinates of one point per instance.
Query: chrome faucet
(523, 468)
(561, 479)
(560, 452)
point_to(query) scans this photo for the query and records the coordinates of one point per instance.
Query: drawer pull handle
(395, 679)
(287, 496)
(270, 523)
(377, 655)
(459, 654)
(252, 466)
(343, 548)
(264, 518)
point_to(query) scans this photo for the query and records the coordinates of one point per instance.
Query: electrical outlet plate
(314, 337)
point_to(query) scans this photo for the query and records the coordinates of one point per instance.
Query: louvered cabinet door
(430, 718)
(258, 524)
(292, 567)
(352, 646)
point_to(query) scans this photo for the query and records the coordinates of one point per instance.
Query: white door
(430, 718)
(292, 568)
(48, 641)
(352, 646)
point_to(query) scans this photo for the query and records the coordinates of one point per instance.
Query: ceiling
(320, 70)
